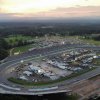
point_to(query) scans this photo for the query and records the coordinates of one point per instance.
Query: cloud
(10, 16)
(1, 10)
(35, 6)
(80, 11)
(71, 12)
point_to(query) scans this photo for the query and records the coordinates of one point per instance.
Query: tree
(20, 43)
(3, 49)
(3, 44)
(3, 53)
(97, 38)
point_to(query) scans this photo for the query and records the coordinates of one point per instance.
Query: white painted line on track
(44, 89)
(8, 87)
(28, 57)
(36, 57)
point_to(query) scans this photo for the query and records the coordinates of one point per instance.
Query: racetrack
(7, 87)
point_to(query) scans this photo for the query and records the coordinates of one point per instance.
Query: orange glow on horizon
(33, 7)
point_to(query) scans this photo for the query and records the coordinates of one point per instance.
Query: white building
(57, 64)
(28, 73)
(36, 69)
(23, 78)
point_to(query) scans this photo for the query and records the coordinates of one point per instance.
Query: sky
(44, 9)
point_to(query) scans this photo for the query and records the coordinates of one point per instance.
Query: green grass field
(97, 62)
(13, 39)
(21, 49)
(90, 41)
(24, 48)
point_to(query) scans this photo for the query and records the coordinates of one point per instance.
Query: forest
(40, 29)
(89, 31)
(3, 49)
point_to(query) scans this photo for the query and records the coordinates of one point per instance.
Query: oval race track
(9, 88)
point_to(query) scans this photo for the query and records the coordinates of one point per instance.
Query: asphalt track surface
(9, 88)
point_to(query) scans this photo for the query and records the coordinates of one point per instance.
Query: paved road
(60, 87)
(44, 51)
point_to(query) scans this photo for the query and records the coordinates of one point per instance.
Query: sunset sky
(17, 9)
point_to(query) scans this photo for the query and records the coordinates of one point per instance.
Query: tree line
(50, 29)
(3, 48)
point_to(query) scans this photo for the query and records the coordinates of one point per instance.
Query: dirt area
(87, 88)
